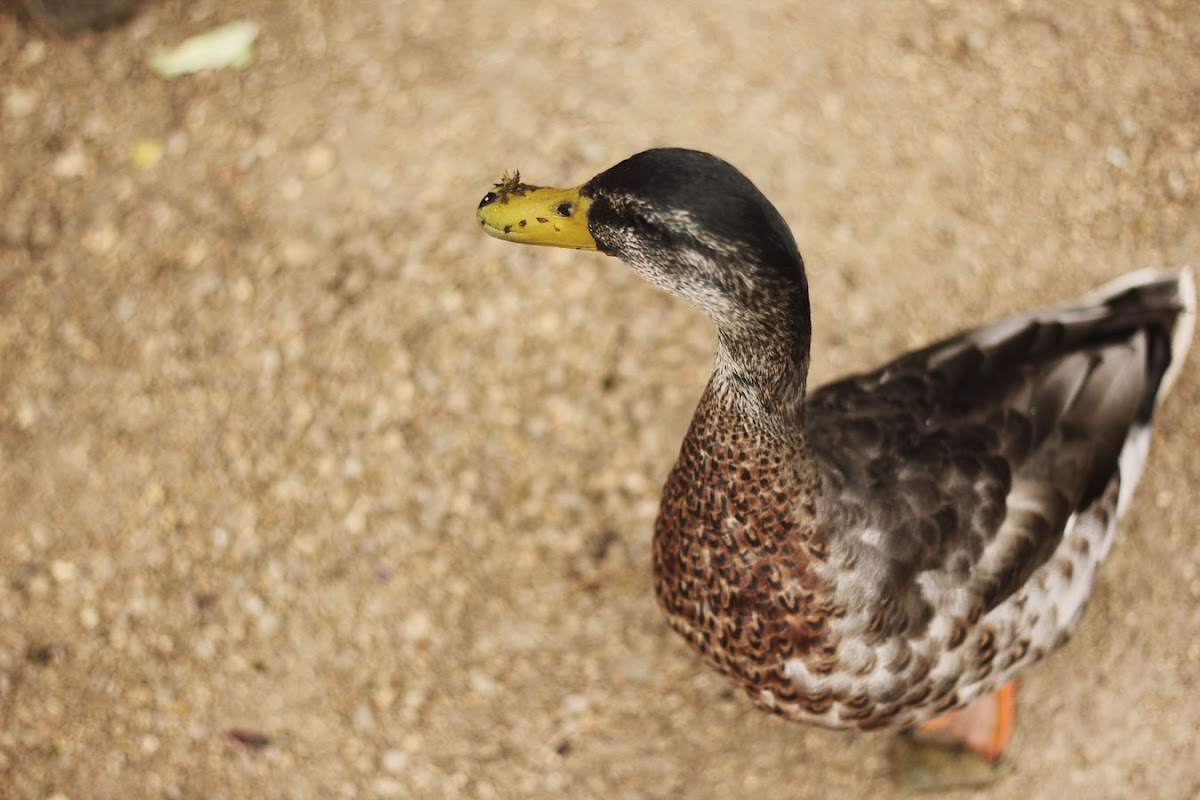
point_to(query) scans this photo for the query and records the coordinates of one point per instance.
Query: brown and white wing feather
(974, 484)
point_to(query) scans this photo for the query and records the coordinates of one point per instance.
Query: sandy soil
(311, 490)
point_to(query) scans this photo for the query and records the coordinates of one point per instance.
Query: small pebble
(364, 718)
(89, 618)
(101, 239)
(417, 626)
(147, 153)
(1176, 185)
(394, 761)
(34, 53)
(63, 571)
(19, 102)
(318, 161)
(26, 414)
(243, 289)
(71, 163)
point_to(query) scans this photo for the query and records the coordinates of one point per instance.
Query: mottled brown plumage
(899, 543)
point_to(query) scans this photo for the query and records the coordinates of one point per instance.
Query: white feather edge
(1185, 325)
(1090, 307)
(1136, 449)
(1185, 328)
(1134, 453)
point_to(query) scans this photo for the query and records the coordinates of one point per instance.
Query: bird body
(928, 529)
(900, 543)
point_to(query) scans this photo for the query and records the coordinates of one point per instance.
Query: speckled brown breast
(737, 558)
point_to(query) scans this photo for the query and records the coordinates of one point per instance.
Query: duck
(889, 550)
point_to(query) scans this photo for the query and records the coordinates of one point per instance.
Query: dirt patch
(305, 479)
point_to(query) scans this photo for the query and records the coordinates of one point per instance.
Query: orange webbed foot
(959, 749)
(984, 727)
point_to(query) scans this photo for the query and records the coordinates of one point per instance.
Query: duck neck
(763, 364)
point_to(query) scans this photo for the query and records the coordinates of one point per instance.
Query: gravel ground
(310, 490)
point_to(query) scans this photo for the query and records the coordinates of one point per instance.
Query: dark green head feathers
(688, 199)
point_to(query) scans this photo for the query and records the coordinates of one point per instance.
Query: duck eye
(564, 209)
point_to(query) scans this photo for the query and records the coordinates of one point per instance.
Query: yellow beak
(536, 215)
